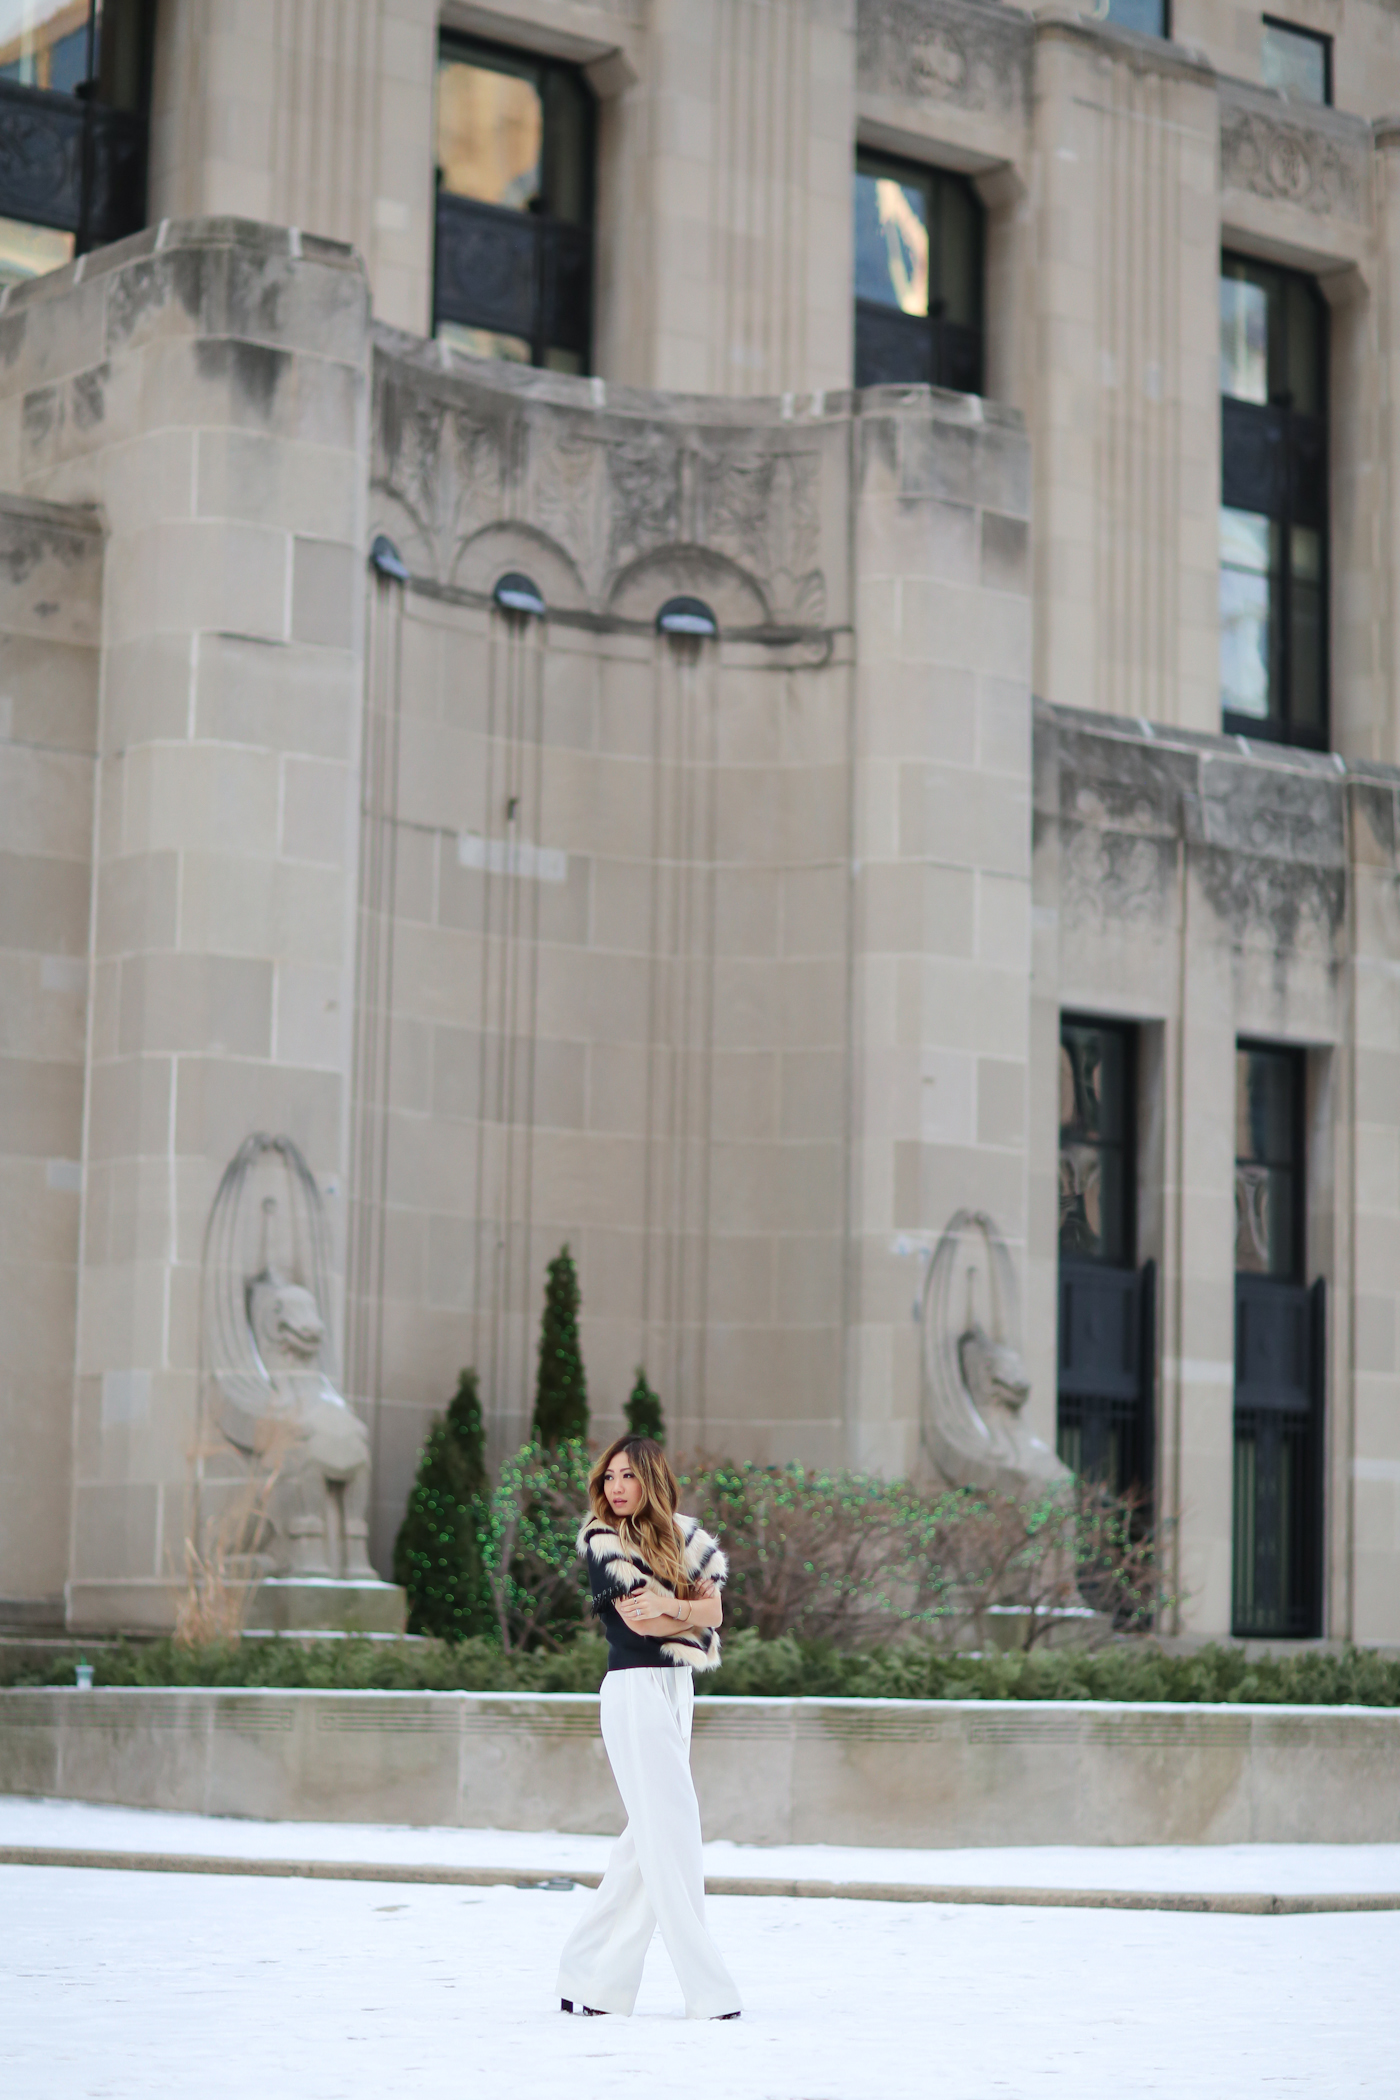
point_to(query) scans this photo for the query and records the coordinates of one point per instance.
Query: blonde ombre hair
(652, 1532)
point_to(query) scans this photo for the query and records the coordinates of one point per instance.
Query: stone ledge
(1233, 1903)
(831, 1771)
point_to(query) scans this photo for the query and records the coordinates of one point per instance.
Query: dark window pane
(1267, 1185)
(1266, 1106)
(1296, 63)
(568, 172)
(1306, 630)
(958, 268)
(1301, 377)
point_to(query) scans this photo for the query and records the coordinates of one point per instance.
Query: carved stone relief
(609, 491)
(977, 57)
(1281, 154)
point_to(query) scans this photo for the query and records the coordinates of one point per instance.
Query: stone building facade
(1019, 836)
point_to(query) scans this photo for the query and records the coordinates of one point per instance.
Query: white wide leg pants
(656, 1874)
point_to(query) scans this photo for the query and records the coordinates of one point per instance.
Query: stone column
(305, 115)
(1365, 1440)
(739, 143)
(1125, 413)
(50, 610)
(205, 384)
(941, 974)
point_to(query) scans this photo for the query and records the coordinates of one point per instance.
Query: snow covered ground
(1248, 1869)
(135, 1986)
(147, 1985)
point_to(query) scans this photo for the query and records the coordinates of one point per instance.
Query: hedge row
(782, 1668)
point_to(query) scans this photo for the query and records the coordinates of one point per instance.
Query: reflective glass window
(1273, 536)
(1267, 1145)
(918, 276)
(1096, 1124)
(1297, 62)
(1148, 17)
(514, 264)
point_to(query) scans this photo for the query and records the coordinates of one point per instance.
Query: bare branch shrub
(219, 1580)
(855, 1560)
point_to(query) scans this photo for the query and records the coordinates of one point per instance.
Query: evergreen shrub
(438, 1552)
(561, 1389)
(643, 1410)
(784, 1668)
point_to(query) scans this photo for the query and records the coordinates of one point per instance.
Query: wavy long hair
(652, 1532)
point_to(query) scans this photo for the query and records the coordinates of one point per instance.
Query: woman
(656, 1580)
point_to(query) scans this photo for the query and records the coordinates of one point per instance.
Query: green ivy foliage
(438, 1553)
(529, 1546)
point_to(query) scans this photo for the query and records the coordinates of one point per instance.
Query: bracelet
(687, 1612)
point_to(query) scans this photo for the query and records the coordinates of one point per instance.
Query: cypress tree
(437, 1555)
(561, 1392)
(643, 1410)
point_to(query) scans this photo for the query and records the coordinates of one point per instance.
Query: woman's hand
(638, 1607)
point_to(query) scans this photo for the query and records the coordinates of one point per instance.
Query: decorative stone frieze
(610, 490)
(945, 51)
(1312, 159)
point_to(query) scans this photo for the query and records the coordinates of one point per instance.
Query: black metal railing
(1106, 1374)
(1279, 1385)
(513, 273)
(71, 164)
(899, 349)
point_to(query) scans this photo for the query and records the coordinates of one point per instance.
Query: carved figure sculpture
(267, 1353)
(974, 1381)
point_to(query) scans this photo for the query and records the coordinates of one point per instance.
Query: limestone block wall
(1208, 893)
(941, 939)
(307, 115)
(684, 948)
(50, 613)
(206, 385)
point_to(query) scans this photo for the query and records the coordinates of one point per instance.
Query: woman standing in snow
(656, 1579)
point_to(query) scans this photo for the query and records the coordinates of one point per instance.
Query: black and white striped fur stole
(615, 1569)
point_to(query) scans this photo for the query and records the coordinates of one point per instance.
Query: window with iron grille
(513, 273)
(1279, 1382)
(74, 104)
(918, 269)
(1273, 515)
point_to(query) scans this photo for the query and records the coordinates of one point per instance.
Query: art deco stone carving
(945, 51)
(1280, 152)
(608, 491)
(974, 1379)
(267, 1355)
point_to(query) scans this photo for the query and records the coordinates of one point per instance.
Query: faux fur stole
(615, 1569)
